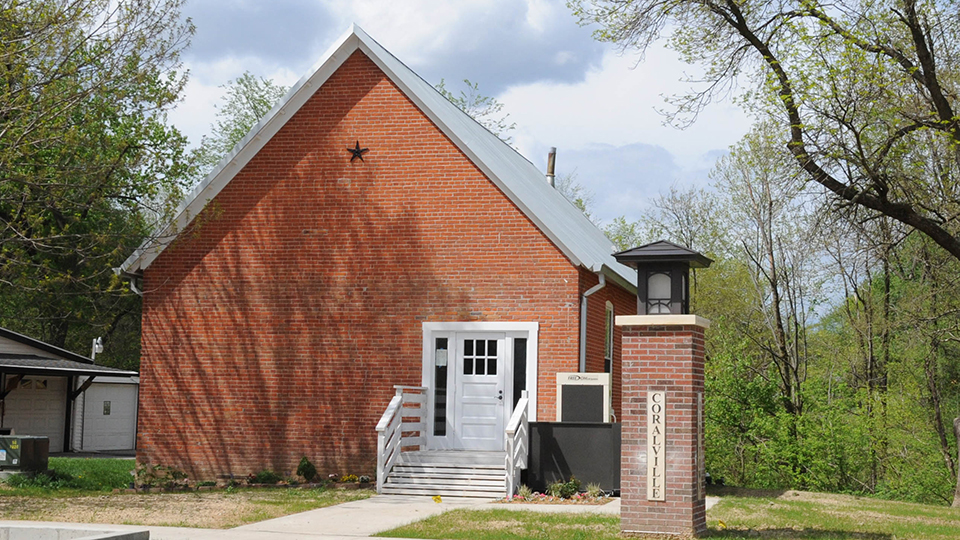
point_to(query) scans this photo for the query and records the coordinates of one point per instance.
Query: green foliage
(306, 469)
(265, 477)
(578, 195)
(246, 100)
(486, 110)
(88, 163)
(624, 234)
(831, 356)
(49, 480)
(564, 490)
(861, 100)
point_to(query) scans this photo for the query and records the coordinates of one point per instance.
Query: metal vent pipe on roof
(551, 166)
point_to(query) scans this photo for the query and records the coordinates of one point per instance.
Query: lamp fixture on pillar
(663, 268)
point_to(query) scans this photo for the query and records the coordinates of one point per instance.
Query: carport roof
(31, 364)
(43, 346)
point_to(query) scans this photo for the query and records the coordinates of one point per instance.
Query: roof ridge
(42, 345)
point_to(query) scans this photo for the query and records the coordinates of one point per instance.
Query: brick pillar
(662, 415)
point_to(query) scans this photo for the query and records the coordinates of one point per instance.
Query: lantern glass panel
(658, 286)
(658, 293)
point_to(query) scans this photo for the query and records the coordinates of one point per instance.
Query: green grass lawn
(511, 524)
(820, 515)
(791, 515)
(71, 475)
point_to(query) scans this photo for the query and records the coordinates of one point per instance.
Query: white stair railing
(517, 437)
(401, 428)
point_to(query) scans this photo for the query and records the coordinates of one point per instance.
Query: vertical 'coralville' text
(656, 445)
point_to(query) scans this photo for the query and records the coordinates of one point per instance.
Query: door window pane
(519, 368)
(480, 357)
(440, 388)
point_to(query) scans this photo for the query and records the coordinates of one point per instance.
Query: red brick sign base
(661, 468)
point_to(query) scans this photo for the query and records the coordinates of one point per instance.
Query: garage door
(38, 407)
(110, 417)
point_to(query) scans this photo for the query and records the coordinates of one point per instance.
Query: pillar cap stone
(662, 320)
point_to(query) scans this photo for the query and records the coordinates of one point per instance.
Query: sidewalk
(349, 521)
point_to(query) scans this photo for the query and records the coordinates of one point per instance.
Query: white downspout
(583, 319)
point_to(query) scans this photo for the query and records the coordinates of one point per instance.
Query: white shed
(39, 388)
(106, 415)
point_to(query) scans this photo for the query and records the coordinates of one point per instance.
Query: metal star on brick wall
(357, 152)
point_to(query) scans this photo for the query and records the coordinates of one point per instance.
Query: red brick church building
(365, 234)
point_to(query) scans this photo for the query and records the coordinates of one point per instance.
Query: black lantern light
(663, 268)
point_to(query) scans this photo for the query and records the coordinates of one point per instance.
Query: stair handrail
(408, 402)
(517, 438)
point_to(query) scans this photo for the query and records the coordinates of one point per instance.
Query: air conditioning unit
(24, 453)
(584, 397)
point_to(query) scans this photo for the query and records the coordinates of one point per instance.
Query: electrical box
(24, 453)
(584, 397)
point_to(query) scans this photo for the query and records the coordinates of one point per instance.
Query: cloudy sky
(560, 86)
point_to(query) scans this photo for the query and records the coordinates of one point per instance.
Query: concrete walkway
(348, 521)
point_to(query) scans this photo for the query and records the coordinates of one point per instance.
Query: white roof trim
(517, 177)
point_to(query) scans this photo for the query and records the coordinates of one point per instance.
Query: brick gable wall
(277, 326)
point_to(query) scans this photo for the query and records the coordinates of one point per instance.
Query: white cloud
(617, 104)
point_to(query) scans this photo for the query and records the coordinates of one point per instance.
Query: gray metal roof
(518, 178)
(662, 251)
(43, 346)
(39, 365)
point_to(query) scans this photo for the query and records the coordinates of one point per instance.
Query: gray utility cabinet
(24, 453)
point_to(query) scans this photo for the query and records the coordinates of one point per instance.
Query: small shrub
(306, 469)
(349, 478)
(553, 489)
(206, 483)
(594, 491)
(525, 492)
(564, 490)
(364, 479)
(265, 477)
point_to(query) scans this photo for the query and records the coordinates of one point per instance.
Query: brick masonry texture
(668, 359)
(278, 323)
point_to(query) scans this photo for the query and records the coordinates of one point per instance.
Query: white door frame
(449, 330)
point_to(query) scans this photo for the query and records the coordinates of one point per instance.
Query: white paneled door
(480, 387)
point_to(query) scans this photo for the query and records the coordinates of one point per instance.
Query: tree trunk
(956, 435)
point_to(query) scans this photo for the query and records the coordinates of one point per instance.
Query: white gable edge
(300, 93)
(244, 151)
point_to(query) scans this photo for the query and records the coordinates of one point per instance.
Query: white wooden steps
(450, 473)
